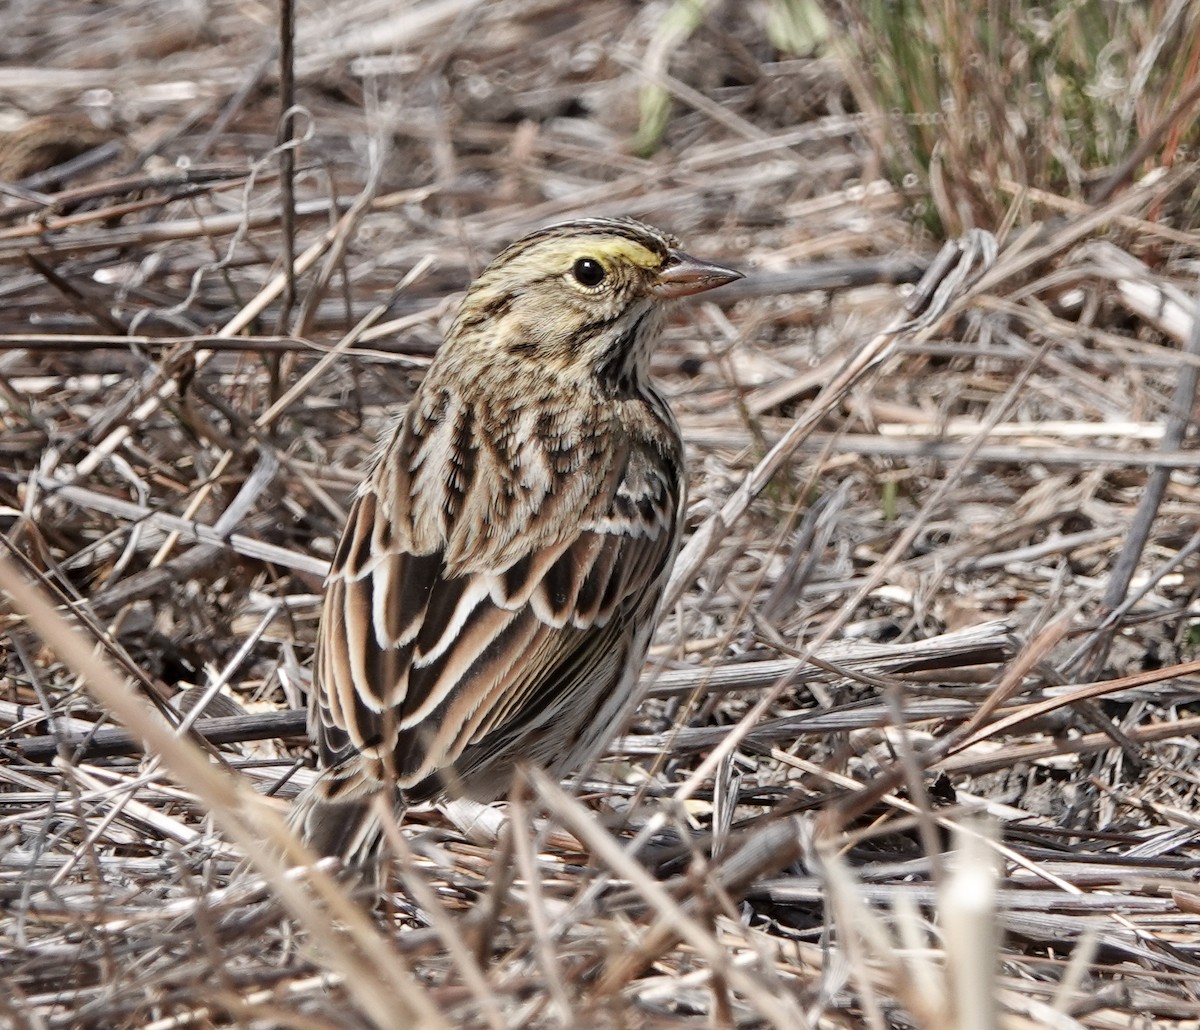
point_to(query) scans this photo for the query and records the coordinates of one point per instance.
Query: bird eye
(588, 272)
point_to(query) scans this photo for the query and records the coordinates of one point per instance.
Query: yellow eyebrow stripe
(609, 249)
(628, 251)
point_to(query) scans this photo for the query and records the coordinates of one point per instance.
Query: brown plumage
(494, 592)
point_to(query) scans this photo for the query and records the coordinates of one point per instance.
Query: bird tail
(339, 815)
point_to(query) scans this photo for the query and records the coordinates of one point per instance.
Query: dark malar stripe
(617, 372)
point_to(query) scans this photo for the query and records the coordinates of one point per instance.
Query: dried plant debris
(919, 745)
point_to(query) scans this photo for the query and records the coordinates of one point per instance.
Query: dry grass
(1078, 97)
(975, 804)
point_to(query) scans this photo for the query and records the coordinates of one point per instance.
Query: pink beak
(685, 275)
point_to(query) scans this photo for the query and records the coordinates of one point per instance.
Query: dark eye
(588, 272)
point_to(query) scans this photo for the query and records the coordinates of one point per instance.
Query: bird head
(582, 296)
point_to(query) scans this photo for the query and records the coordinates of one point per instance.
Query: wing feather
(408, 580)
(448, 668)
(431, 681)
(436, 740)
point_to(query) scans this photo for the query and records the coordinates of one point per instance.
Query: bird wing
(433, 642)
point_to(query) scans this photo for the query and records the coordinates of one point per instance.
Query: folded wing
(436, 656)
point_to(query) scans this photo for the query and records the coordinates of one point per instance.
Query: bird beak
(685, 275)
